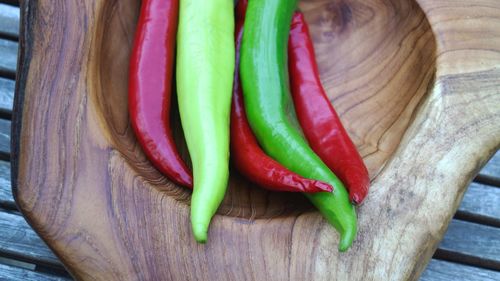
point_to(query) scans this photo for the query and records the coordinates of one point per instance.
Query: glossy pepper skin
(150, 85)
(247, 156)
(321, 124)
(271, 114)
(205, 68)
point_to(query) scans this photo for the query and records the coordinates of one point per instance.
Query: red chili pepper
(321, 124)
(150, 83)
(247, 156)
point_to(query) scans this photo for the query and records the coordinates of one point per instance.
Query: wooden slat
(19, 241)
(11, 273)
(493, 166)
(17, 263)
(9, 21)
(6, 200)
(481, 204)
(490, 174)
(471, 243)
(8, 58)
(438, 270)
(4, 139)
(6, 95)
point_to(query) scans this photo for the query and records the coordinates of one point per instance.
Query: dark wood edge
(28, 12)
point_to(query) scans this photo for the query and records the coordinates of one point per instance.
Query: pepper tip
(323, 187)
(355, 199)
(344, 244)
(347, 238)
(200, 232)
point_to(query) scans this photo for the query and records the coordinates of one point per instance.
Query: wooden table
(469, 251)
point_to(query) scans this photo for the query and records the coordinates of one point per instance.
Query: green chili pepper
(264, 75)
(205, 67)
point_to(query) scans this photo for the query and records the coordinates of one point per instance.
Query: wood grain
(414, 81)
(463, 241)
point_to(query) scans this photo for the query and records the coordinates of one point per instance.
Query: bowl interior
(377, 62)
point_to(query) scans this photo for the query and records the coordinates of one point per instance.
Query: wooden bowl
(416, 85)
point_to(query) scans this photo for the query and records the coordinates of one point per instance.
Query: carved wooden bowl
(414, 81)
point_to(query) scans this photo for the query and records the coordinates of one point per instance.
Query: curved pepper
(247, 156)
(271, 114)
(205, 68)
(321, 124)
(150, 83)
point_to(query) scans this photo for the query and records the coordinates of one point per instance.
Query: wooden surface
(9, 21)
(446, 271)
(8, 63)
(487, 210)
(481, 248)
(6, 96)
(417, 147)
(23, 244)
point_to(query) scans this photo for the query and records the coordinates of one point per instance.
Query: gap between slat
(488, 180)
(10, 272)
(11, 2)
(465, 259)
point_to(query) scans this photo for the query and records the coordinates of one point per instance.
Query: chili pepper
(271, 114)
(205, 68)
(321, 124)
(150, 82)
(247, 156)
